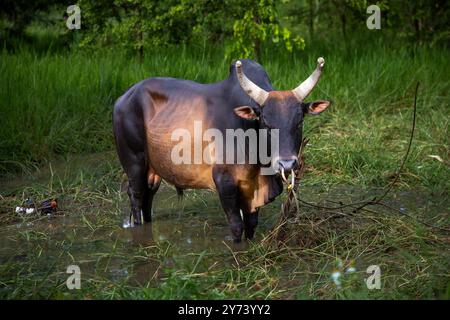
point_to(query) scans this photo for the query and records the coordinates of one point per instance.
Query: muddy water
(99, 240)
(104, 245)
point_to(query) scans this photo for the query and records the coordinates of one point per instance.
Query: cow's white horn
(305, 88)
(283, 175)
(256, 93)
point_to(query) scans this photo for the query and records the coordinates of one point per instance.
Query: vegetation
(184, 254)
(57, 88)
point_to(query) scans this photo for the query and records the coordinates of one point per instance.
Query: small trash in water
(22, 210)
(48, 206)
(127, 223)
(335, 276)
(26, 208)
(338, 272)
(435, 157)
(350, 267)
(350, 270)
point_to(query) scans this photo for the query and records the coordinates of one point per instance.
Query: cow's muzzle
(287, 165)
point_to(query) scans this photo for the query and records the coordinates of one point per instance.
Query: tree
(259, 23)
(20, 13)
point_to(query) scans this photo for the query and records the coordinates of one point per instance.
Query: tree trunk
(344, 25)
(311, 18)
(257, 42)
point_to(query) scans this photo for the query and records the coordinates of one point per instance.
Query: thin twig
(400, 169)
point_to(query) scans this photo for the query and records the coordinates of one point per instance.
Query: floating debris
(26, 208)
(22, 210)
(335, 276)
(127, 223)
(350, 270)
(48, 207)
(338, 272)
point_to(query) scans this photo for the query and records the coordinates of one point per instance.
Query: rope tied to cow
(279, 232)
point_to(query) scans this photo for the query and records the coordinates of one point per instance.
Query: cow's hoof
(137, 221)
(249, 235)
(137, 218)
(237, 229)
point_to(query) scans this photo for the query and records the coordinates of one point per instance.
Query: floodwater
(100, 241)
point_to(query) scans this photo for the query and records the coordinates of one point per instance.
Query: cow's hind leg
(229, 198)
(137, 189)
(153, 182)
(135, 167)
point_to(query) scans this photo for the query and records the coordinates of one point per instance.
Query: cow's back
(156, 110)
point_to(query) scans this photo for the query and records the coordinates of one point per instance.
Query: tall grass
(59, 103)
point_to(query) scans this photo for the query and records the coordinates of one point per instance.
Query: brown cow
(147, 115)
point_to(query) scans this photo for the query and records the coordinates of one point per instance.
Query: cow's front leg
(250, 223)
(229, 198)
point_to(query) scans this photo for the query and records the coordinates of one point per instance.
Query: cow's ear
(246, 112)
(315, 107)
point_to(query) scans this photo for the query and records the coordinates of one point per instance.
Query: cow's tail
(124, 183)
(179, 194)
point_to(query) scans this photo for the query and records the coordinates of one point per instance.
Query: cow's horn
(256, 93)
(305, 88)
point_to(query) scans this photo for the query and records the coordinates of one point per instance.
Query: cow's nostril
(288, 165)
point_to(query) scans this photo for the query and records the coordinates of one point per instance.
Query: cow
(147, 114)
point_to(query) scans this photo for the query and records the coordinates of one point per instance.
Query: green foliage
(247, 26)
(421, 21)
(16, 15)
(258, 24)
(138, 25)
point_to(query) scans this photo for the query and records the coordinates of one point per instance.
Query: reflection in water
(142, 235)
(193, 233)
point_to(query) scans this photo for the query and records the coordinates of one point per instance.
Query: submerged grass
(185, 255)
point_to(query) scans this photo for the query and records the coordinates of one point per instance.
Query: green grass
(57, 105)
